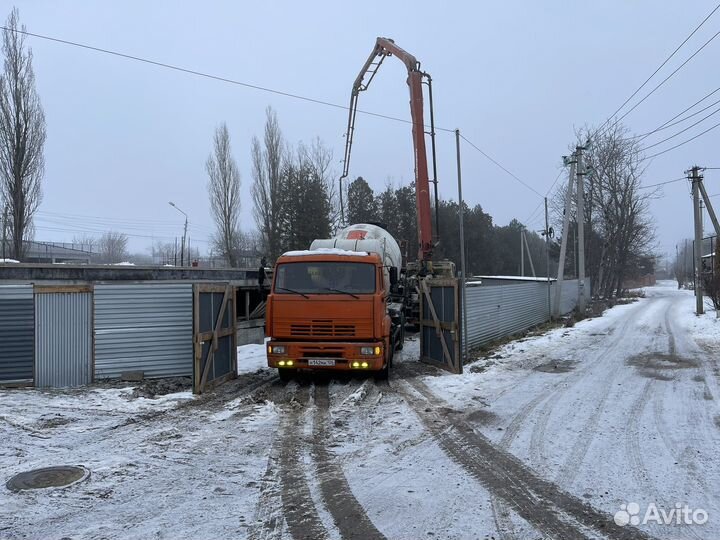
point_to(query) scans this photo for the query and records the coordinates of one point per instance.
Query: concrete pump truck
(343, 304)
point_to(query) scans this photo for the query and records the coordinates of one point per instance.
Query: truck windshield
(325, 278)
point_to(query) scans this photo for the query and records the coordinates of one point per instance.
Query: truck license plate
(320, 362)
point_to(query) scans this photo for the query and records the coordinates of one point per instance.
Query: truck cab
(332, 309)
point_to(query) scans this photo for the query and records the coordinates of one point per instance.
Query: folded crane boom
(385, 47)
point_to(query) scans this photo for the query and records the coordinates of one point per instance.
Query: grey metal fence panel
(63, 339)
(144, 327)
(17, 333)
(497, 311)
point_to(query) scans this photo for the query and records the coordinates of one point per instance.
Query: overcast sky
(517, 78)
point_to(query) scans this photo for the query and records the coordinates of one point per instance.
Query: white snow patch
(325, 251)
(9, 261)
(124, 263)
(252, 358)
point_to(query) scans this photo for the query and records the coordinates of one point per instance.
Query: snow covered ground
(546, 436)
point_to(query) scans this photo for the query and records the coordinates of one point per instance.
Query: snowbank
(251, 358)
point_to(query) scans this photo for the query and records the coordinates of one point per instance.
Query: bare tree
(112, 247)
(620, 232)
(22, 137)
(84, 242)
(224, 189)
(267, 165)
(164, 252)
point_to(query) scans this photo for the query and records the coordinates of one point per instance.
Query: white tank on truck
(369, 238)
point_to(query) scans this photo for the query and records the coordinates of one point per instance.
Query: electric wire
(678, 133)
(219, 78)
(670, 123)
(490, 158)
(681, 144)
(663, 183)
(251, 86)
(609, 119)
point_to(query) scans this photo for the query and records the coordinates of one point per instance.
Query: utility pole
(581, 228)
(566, 223)
(522, 253)
(709, 206)
(547, 259)
(527, 248)
(461, 214)
(182, 246)
(685, 263)
(696, 178)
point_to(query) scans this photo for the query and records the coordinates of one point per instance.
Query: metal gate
(214, 331)
(144, 327)
(440, 340)
(63, 336)
(17, 334)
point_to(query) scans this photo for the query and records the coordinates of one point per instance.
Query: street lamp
(182, 247)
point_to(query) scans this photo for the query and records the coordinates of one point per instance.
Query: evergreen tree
(362, 206)
(388, 211)
(306, 207)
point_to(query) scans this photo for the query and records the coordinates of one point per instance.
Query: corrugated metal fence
(144, 327)
(17, 333)
(497, 311)
(63, 339)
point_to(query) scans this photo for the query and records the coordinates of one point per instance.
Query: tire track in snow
(572, 464)
(499, 509)
(501, 513)
(679, 453)
(301, 516)
(537, 439)
(268, 522)
(347, 512)
(541, 503)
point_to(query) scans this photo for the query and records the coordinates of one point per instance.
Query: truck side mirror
(393, 276)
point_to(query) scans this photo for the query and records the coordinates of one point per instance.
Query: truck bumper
(325, 356)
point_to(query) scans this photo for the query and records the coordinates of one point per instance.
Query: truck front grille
(322, 328)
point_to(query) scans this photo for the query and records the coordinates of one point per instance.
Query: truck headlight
(367, 351)
(277, 349)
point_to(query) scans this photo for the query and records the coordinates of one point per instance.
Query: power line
(666, 79)
(668, 123)
(210, 76)
(132, 235)
(251, 86)
(490, 158)
(109, 224)
(540, 204)
(657, 70)
(682, 143)
(679, 132)
(663, 183)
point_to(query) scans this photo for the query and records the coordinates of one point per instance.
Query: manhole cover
(48, 477)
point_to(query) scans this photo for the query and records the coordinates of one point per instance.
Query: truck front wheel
(287, 375)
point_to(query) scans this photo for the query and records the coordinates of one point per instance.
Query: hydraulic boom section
(385, 47)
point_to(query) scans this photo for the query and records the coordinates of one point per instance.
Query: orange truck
(338, 306)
